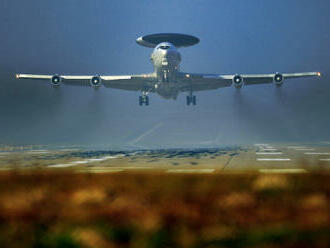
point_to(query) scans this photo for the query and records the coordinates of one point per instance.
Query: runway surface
(265, 158)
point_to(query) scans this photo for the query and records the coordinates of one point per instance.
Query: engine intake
(278, 79)
(238, 81)
(56, 80)
(96, 81)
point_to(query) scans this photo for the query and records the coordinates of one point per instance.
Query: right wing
(124, 82)
(200, 82)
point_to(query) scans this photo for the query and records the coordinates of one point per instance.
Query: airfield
(262, 195)
(263, 158)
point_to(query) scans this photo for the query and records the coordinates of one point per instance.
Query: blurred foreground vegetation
(67, 209)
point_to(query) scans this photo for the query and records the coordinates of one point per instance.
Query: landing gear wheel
(191, 100)
(194, 100)
(188, 100)
(144, 100)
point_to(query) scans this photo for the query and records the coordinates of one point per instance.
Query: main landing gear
(144, 99)
(191, 100)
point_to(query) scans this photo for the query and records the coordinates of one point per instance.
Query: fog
(98, 37)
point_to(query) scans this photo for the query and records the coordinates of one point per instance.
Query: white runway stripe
(296, 147)
(305, 149)
(100, 170)
(268, 153)
(38, 151)
(104, 158)
(86, 161)
(282, 171)
(190, 171)
(325, 159)
(268, 149)
(80, 162)
(60, 165)
(317, 153)
(273, 159)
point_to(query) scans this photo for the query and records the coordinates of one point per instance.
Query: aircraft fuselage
(166, 61)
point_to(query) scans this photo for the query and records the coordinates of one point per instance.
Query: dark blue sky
(98, 37)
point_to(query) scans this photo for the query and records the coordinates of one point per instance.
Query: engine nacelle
(278, 79)
(56, 80)
(95, 81)
(238, 81)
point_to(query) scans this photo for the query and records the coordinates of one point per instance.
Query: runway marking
(325, 159)
(305, 149)
(296, 147)
(268, 149)
(268, 153)
(273, 159)
(204, 171)
(317, 153)
(60, 165)
(105, 158)
(98, 170)
(283, 171)
(80, 162)
(38, 151)
(90, 160)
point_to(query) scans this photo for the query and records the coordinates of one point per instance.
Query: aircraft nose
(164, 52)
(171, 54)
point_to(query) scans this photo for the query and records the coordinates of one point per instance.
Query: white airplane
(167, 80)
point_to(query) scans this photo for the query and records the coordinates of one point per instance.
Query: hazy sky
(98, 37)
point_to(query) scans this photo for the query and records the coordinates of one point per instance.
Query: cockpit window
(165, 47)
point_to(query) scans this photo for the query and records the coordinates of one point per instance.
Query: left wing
(125, 82)
(200, 82)
(250, 79)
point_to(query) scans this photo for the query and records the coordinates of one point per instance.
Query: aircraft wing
(251, 79)
(123, 82)
(200, 82)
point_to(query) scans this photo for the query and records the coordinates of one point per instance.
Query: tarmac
(264, 158)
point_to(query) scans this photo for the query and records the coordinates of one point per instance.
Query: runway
(264, 158)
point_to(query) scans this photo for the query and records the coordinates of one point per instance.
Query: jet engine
(238, 81)
(56, 80)
(278, 79)
(95, 81)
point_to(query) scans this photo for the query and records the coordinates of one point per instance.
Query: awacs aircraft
(167, 80)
